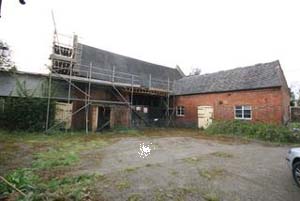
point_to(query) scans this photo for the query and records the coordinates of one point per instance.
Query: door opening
(103, 118)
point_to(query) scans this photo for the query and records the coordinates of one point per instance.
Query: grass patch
(23, 179)
(123, 185)
(124, 131)
(174, 172)
(48, 158)
(149, 165)
(35, 188)
(222, 154)
(211, 196)
(131, 169)
(54, 158)
(267, 132)
(135, 197)
(193, 159)
(212, 174)
(160, 195)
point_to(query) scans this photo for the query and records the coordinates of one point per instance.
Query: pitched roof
(104, 60)
(263, 75)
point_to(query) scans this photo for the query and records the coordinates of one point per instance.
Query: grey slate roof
(103, 60)
(264, 75)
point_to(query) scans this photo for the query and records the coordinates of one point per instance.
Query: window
(179, 111)
(243, 112)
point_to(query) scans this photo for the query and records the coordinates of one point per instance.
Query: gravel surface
(188, 168)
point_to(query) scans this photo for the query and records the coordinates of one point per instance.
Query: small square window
(243, 112)
(180, 111)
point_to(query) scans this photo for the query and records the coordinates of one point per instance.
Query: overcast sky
(213, 35)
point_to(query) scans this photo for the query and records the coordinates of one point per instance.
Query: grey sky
(212, 35)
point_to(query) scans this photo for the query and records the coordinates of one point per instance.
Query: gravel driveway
(188, 168)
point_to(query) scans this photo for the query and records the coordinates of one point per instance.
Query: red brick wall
(268, 105)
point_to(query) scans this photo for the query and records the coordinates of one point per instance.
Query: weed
(211, 196)
(211, 174)
(181, 193)
(159, 195)
(67, 188)
(134, 197)
(23, 179)
(123, 185)
(191, 159)
(131, 169)
(222, 154)
(174, 172)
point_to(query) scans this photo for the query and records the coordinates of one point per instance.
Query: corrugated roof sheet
(263, 75)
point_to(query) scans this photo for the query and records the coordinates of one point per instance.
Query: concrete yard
(187, 167)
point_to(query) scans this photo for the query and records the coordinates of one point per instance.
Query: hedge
(267, 132)
(25, 113)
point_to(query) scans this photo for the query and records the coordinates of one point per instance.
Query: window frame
(180, 111)
(243, 112)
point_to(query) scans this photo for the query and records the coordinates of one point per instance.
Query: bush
(267, 132)
(26, 113)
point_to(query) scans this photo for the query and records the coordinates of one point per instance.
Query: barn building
(96, 89)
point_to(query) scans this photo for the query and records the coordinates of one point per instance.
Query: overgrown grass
(267, 132)
(35, 188)
(53, 155)
(23, 179)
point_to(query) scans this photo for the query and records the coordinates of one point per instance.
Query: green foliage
(267, 132)
(54, 158)
(123, 130)
(23, 179)
(26, 112)
(66, 188)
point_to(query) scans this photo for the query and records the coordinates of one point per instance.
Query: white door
(205, 115)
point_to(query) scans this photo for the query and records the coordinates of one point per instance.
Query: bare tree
(5, 57)
(195, 71)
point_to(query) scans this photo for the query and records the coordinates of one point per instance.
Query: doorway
(103, 118)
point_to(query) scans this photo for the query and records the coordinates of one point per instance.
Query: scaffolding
(66, 66)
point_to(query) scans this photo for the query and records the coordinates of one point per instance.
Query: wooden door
(205, 115)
